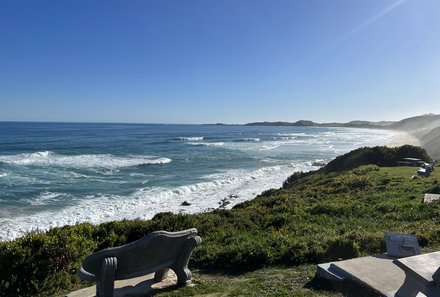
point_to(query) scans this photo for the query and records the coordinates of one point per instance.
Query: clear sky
(230, 61)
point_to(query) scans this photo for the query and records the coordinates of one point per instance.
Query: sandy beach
(402, 138)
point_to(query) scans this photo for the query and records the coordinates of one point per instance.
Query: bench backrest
(158, 250)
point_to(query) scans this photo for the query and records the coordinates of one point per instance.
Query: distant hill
(426, 128)
(301, 123)
(418, 126)
(307, 123)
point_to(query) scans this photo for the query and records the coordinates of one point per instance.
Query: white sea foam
(207, 143)
(196, 138)
(3, 174)
(144, 203)
(45, 198)
(48, 158)
(251, 139)
(290, 134)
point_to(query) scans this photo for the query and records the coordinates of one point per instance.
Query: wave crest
(47, 158)
(235, 185)
(196, 138)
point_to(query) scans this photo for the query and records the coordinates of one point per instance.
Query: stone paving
(140, 287)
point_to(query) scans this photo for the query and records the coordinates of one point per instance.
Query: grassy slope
(319, 217)
(350, 210)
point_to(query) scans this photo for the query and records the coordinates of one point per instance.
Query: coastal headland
(423, 130)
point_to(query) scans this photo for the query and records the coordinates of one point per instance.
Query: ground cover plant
(319, 216)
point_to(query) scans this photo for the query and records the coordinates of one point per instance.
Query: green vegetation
(270, 281)
(316, 217)
(381, 156)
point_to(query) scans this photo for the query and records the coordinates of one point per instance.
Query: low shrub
(379, 155)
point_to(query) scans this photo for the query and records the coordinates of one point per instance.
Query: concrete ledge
(139, 286)
(379, 273)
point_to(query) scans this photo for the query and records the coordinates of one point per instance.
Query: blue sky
(230, 61)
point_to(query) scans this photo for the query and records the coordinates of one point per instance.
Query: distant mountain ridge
(307, 123)
(425, 128)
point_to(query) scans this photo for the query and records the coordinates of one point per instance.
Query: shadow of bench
(155, 253)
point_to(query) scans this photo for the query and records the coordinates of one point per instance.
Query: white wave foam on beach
(47, 158)
(235, 185)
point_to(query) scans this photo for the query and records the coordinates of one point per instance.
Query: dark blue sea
(53, 174)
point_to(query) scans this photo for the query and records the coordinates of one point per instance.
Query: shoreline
(184, 204)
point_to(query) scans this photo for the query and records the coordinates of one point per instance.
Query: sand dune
(402, 138)
(425, 129)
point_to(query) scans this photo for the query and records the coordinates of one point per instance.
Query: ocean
(55, 174)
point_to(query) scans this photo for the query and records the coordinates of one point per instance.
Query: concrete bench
(422, 275)
(155, 253)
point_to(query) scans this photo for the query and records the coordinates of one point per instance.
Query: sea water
(53, 174)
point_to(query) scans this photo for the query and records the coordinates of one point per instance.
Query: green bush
(379, 155)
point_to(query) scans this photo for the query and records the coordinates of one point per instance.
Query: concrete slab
(377, 272)
(430, 197)
(139, 286)
(421, 267)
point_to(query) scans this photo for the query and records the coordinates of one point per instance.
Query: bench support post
(105, 283)
(410, 288)
(161, 275)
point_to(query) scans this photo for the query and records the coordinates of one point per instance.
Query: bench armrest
(181, 266)
(84, 275)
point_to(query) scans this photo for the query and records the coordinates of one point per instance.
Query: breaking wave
(47, 158)
(236, 185)
(198, 138)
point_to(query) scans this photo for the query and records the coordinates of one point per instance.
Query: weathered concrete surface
(420, 274)
(421, 266)
(140, 286)
(156, 252)
(378, 272)
(431, 197)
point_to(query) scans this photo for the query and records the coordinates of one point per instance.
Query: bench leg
(181, 267)
(105, 282)
(161, 275)
(410, 288)
(184, 275)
